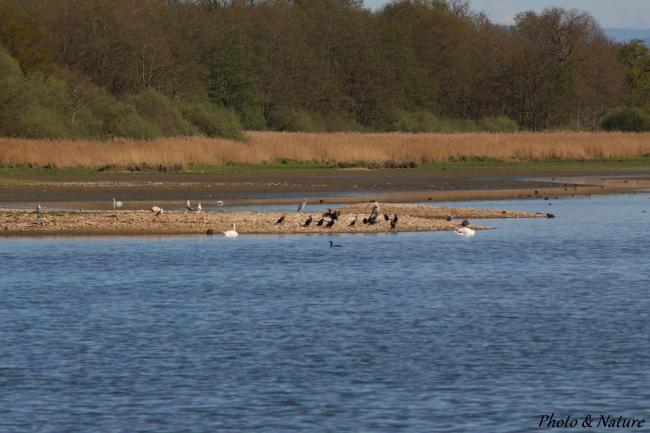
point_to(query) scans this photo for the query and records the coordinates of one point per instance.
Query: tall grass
(343, 148)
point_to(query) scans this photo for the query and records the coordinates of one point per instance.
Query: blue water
(422, 332)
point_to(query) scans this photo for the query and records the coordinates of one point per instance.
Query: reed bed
(334, 148)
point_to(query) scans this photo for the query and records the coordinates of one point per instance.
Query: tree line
(148, 68)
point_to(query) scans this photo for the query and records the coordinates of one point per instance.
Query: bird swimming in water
(157, 210)
(550, 215)
(465, 231)
(280, 220)
(117, 204)
(219, 203)
(465, 223)
(210, 232)
(193, 209)
(231, 233)
(353, 222)
(308, 222)
(302, 205)
(333, 245)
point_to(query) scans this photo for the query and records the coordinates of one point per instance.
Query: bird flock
(328, 219)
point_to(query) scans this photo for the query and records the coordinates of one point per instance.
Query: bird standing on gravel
(308, 222)
(330, 223)
(375, 208)
(280, 220)
(393, 222)
(353, 222)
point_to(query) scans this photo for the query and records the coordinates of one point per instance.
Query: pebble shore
(412, 218)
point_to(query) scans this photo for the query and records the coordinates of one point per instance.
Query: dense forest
(149, 68)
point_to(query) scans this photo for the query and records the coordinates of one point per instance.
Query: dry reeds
(341, 148)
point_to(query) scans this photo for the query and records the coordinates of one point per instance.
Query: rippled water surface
(421, 332)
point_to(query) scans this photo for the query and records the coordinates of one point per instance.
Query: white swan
(117, 204)
(465, 231)
(231, 233)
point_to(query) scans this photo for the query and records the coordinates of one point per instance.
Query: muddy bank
(141, 190)
(412, 218)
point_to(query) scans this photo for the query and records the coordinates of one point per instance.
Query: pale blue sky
(610, 13)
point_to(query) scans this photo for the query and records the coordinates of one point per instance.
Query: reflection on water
(390, 333)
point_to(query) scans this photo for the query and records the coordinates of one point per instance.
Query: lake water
(423, 332)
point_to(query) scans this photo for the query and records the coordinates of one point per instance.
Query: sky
(631, 14)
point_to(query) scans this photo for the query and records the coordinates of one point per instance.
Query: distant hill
(625, 35)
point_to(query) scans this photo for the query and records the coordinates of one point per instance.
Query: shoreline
(412, 218)
(171, 191)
